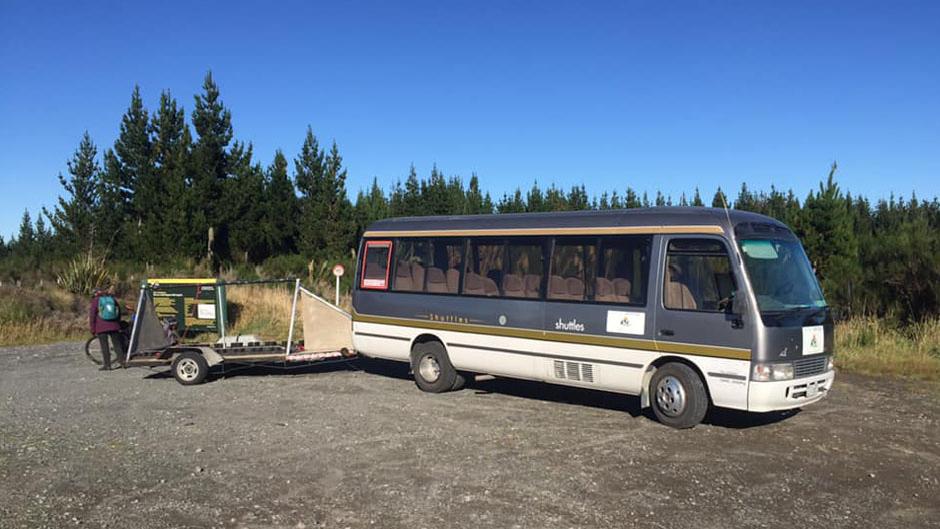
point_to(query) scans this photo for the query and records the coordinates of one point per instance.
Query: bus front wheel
(432, 369)
(678, 396)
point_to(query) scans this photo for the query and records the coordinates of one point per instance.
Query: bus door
(695, 309)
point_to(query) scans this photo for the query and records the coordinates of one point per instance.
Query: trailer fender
(212, 358)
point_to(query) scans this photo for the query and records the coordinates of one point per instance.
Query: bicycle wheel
(93, 350)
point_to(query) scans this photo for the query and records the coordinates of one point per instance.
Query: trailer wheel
(432, 369)
(190, 368)
(678, 396)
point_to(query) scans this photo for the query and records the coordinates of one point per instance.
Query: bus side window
(574, 263)
(698, 275)
(411, 260)
(484, 271)
(523, 278)
(623, 269)
(375, 265)
(442, 275)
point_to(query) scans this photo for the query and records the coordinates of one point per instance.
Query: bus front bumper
(788, 394)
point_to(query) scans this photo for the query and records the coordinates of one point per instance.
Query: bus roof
(637, 220)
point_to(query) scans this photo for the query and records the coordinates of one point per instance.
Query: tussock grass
(874, 346)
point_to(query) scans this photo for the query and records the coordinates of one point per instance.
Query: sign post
(338, 271)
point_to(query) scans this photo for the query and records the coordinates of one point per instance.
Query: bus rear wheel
(432, 369)
(678, 396)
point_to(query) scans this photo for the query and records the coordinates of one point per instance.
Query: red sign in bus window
(375, 265)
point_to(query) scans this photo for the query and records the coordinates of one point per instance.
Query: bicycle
(93, 345)
(94, 353)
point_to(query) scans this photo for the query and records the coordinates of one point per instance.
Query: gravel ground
(334, 446)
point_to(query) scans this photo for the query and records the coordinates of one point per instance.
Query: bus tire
(190, 368)
(432, 369)
(678, 396)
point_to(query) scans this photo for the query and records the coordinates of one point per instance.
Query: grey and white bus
(685, 307)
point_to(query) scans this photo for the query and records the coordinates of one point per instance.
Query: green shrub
(82, 274)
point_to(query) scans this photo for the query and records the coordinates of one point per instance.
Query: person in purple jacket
(104, 319)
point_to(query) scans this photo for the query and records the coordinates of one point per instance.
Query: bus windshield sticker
(622, 322)
(813, 340)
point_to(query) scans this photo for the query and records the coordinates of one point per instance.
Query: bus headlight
(830, 364)
(767, 372)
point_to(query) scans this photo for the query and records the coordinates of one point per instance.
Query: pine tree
(697, 199)
(535, 200)
(75, 217)
(631, 200)
(128, 187)
(243, 192)
(370, 207)
(555, 199)
(829, 238)
(308, 173)
(337, 216)
(26, 239)
(578, 198)
(171, 212)
(511, 204)
(474, 199)
(213, 125)
(720, 200)
(280, 209)
(411, 199)
(660, 199)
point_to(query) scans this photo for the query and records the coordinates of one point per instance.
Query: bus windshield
(781, 275)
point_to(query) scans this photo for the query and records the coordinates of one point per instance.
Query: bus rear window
(375, 265)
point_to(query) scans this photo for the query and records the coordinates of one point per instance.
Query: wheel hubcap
(429, 369)
(670, 396)
(187, 369)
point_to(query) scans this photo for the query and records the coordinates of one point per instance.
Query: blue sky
(652, 95)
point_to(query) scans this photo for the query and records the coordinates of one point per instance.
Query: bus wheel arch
(431, 366)
(645, 397)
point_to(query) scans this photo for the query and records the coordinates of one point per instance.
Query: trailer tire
(190, 368)
(678, 396)
(432, 369)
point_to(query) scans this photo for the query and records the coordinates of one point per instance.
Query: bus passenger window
(443, 272)
(484, 269)
(525, 269)
(623, 270)
(573, 269)
(375, 265)
(698, 275)
(411, 260)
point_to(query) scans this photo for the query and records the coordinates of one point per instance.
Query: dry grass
(264, 310)
(40, 315)
(872, 346)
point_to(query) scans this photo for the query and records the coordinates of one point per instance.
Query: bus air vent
(574, 371)
(587, 372)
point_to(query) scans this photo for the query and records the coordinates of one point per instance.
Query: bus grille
(574, 371)
(807, 367)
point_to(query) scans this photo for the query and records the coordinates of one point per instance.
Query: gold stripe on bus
(587, 339)
(495, 232)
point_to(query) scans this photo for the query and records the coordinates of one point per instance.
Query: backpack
(108, 308)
